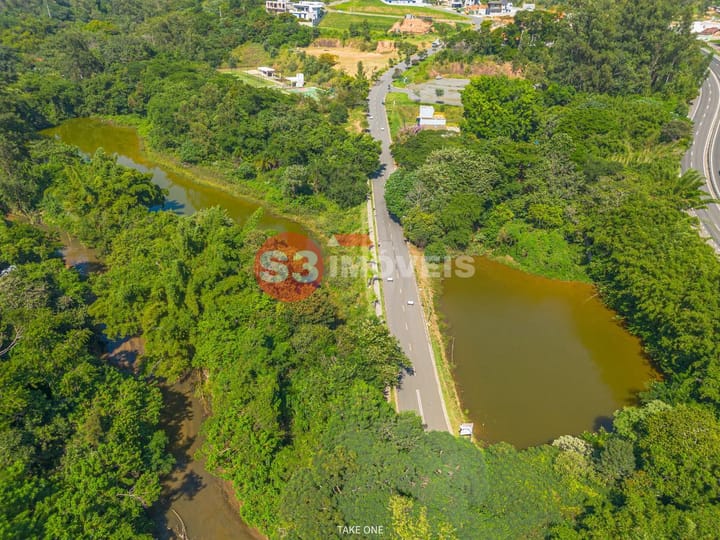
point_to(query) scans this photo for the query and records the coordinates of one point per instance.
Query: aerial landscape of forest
(153, 380)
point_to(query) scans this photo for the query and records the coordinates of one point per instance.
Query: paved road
(704, 154)
(419, 391)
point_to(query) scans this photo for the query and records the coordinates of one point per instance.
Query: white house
(499, 7)
(428, 118)
(298, 81)
(305, 10)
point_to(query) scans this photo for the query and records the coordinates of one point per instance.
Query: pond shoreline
(213, 178)
(534, 357)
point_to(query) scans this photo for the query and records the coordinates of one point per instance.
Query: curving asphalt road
(419, 391)
(704, 154)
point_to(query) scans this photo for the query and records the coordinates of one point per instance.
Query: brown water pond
(537, 358)
(185, 195)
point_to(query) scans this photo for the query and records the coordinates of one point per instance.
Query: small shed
(267, 71)
(466, 430)
(426, 111)
(428, 118)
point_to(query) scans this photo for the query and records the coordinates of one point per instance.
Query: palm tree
(687, 189)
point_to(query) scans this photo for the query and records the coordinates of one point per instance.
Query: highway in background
(704, 154)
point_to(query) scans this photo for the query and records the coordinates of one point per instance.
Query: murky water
(193, 500)
(185, 196)
(537, 358)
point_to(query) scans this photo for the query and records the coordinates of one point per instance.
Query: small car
(411, 302)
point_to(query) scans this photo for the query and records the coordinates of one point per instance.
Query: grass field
(247, 78)
(251, 55)
(402, 112)
(376, 6)
(342, 21)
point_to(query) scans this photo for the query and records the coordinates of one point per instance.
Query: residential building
(499, 7)
(306, 11)
(406, 2)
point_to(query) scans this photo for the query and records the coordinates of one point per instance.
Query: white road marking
(403, 307)
(406, 327)
(410, 346)
(420, 409)
(709, 148)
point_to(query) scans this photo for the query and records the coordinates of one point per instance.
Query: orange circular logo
(289, 267)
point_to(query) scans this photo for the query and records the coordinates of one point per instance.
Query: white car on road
(411, 302)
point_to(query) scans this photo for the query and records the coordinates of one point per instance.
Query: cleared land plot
(429, 68)
(402, 112)
(376, 6)
(450, 91)
(348, 58)
(342, 21)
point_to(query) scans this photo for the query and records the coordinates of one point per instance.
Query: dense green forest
(564, 179)
(83, 61)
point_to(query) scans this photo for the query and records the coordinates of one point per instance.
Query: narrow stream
(194, 503)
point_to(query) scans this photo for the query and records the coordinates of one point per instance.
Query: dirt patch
(411, 25)
(385, 46)
(348, 58)
(326, 42)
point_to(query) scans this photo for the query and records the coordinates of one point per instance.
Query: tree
(629, 47)
(679, 449)
(500, 106)
(397, 191)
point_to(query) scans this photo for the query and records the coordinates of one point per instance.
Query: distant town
(310, 12)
